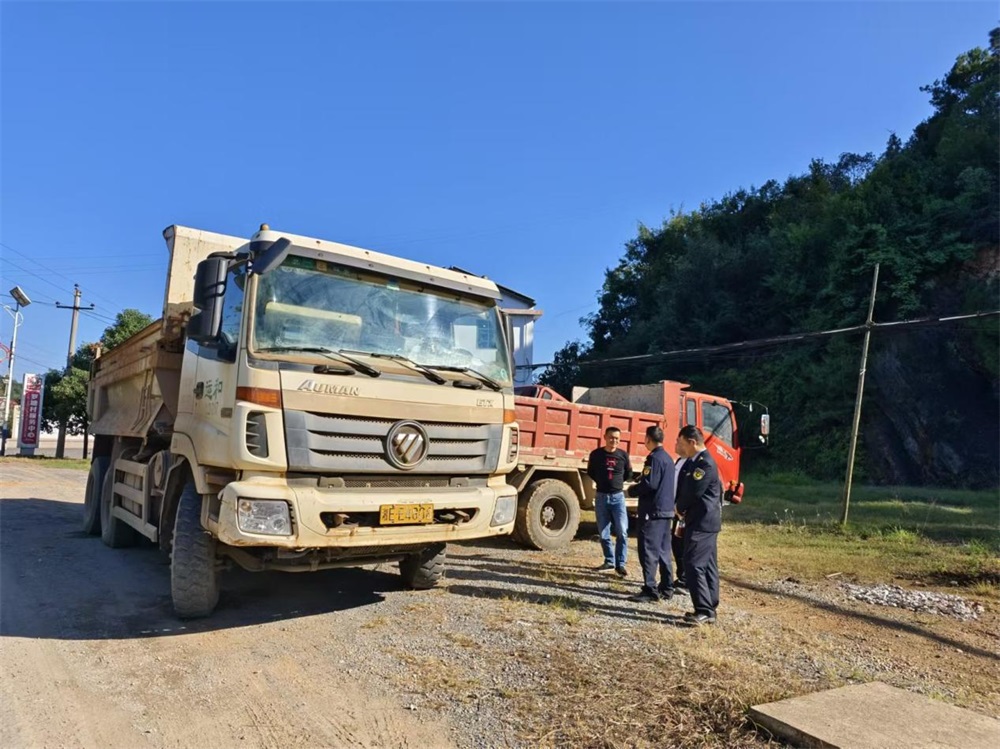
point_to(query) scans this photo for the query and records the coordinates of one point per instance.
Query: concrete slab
(875, 716)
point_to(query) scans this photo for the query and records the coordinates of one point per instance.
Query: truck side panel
(556, 429)
(133, 388)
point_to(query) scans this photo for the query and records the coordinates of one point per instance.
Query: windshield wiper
(430, 375)
(488, 381)
(330, 354)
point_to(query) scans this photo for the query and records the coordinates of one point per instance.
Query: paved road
(47, 446)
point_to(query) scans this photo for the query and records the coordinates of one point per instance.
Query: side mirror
(209, 291)
(765, 424)
(272, 257)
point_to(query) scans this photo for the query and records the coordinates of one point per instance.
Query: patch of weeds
(901, 536)
(436, 678)
(985, 589)
(375, 622)
(461, 640)
(682, 693)
(977, 547)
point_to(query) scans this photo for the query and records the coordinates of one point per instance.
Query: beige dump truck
(303, 405)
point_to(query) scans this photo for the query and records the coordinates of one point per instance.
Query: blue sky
(524, 141)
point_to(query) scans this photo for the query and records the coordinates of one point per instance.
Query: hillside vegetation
(798, 256)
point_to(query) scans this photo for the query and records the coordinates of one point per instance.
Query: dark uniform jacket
(699, 494)
(655, 489)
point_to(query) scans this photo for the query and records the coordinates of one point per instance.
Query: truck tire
(114, 533)
(194, 570)
(92, 496)
(548, 515)
(425, 569)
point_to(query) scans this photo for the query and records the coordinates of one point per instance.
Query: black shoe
(622, 572)
(700, 619)
(665, 593)
(681, 590)
(644, 596)
(605, 567)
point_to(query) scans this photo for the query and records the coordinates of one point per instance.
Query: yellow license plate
(406, 514)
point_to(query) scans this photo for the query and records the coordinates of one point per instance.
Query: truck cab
(303, 405)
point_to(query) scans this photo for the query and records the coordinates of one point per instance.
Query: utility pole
(869, 324)
(61, 443)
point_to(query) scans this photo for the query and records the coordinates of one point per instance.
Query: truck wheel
(424, 569)
(194, 569)
(114, 532)
(92, 497)
(548, 515)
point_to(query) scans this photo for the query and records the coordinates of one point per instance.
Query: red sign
(31, 410)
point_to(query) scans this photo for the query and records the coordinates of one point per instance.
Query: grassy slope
(938, 536)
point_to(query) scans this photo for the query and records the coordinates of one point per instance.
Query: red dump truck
(557, 436)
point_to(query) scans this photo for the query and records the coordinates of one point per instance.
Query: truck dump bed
(564, 433)
(133, 387)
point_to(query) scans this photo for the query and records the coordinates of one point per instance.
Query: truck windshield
(307, 303)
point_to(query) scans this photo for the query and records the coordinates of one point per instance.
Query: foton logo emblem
(406, 445)
(327, 389)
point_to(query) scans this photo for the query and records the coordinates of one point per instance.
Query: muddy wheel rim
(554, 516)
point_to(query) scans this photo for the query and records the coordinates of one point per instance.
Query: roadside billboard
(31, 413)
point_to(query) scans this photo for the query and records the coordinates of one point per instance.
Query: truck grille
(356, 444)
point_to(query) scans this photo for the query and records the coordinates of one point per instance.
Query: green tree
(127, 323)
(65, 401)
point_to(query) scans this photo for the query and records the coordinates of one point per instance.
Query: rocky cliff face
(933, 415)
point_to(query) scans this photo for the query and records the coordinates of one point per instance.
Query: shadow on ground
(58, 583)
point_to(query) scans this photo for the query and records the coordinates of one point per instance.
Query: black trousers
(701, 570)
(677, 546)
(654, 554)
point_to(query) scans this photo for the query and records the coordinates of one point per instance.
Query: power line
(117, 269)
(752, 346)
(31, 273)
(22, 358)
(100, 318)
(54, 272)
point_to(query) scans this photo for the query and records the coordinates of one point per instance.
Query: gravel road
(518, 649)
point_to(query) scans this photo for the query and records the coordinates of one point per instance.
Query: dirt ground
(91, 655)
(518, 649)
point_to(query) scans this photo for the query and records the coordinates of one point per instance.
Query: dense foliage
(798, 256)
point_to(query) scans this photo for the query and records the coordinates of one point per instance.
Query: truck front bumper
(349, 518)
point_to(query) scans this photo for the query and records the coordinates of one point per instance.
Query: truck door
(720, 437)
(213, 391)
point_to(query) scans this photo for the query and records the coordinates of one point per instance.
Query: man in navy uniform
(699, 501)
(655, 491)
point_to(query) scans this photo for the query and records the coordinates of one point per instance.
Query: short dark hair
(693, 433)
(655, 433)
(609, 430)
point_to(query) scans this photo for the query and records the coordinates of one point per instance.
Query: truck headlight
(504, 511)
(267, 516)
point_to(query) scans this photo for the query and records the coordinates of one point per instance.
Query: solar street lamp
(21, 300)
